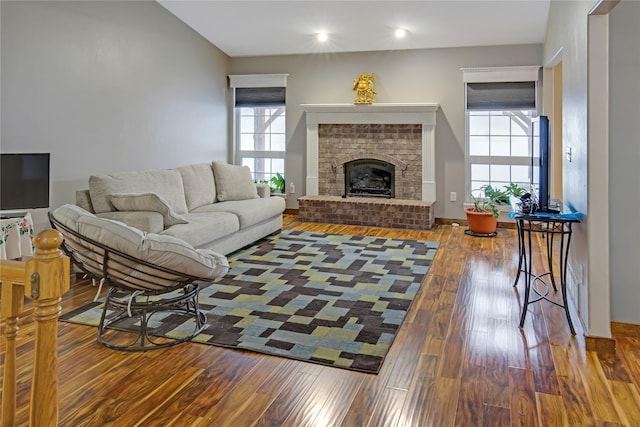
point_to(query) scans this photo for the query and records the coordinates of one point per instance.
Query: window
(260, 124)
(261, 139)
(498, 127)
(499, 149)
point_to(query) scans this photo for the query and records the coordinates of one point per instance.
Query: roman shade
(501, 88)
(259, 96)
(501, 96)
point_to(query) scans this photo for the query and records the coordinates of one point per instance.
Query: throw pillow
(150, 202)
(234, 182)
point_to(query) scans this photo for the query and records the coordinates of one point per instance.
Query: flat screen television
(540, 166)
(24, 181)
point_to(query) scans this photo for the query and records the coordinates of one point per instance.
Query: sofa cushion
(234, 182)
(249, 212)
(166, 183)
(83, 199)
(204, 228)
(199, 185)
(149, 202)
(165, 251)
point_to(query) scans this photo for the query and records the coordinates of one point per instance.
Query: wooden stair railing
(44, 278)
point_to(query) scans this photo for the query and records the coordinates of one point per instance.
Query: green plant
(515, 190)
(277, 183)
(494, 197)
(484, 204)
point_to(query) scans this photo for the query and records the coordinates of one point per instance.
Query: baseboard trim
(620, 329)
(463, 222)
(450, 221)
(600, 345)
(438, 221)
(608, 345)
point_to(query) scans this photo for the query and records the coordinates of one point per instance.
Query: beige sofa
(215, 205)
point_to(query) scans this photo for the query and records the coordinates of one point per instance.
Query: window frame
(256, 81)
(496, 75)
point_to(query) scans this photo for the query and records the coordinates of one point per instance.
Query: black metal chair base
(124, 324)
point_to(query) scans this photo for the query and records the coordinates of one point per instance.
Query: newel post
(46, 280)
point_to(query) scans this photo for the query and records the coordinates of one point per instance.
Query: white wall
(406, 76)
(624, 158)
(108, 86)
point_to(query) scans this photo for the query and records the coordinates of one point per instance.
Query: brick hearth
(393, 213)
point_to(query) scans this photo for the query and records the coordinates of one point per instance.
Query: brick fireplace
(400, 135)
(399, 145)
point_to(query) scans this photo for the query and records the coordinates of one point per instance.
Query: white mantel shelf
(370, 108)
(385, 113)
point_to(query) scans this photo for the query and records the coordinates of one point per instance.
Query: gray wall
(624, 161)
(106, 87)
(567, 32)
(406, 76)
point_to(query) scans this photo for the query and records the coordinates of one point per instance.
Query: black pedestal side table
(552, 226)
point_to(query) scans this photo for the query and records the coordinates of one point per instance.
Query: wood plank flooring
(459, 360)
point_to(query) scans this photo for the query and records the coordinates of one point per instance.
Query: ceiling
(258, 28)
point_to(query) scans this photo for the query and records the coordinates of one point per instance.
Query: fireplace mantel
(370, 108)
(387, 113)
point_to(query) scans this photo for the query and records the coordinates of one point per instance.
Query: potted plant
(277, 183)
(482, 217)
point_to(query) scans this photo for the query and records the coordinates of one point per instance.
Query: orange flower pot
(481, 222)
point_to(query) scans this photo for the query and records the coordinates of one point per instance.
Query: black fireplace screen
(369, 178)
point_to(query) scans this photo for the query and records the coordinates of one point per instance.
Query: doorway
(552, 107)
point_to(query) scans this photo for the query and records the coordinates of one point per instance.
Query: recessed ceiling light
(400, 33)
(323, 37)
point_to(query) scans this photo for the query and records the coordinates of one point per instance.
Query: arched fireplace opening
(369, 178)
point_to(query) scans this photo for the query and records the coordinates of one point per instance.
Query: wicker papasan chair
(149, 276)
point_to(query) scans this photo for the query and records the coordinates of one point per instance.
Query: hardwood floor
(459, 359)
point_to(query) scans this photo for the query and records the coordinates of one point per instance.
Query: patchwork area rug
(336, 300)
